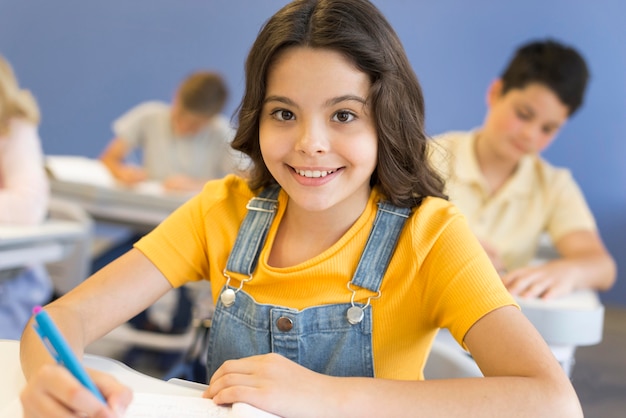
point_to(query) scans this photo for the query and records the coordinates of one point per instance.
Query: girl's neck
(495, 169)
(303, 234)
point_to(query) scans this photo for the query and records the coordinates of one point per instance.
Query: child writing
(510, 195)
(183, 144)
(334, 263)
(24, 196)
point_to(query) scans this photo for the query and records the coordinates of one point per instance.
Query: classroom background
(89, 62)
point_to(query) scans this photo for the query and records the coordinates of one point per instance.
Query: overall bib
(333, 339)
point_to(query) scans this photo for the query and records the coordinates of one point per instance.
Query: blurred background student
(182, 144)
(510, 194)
(24, 196)
(512, 197)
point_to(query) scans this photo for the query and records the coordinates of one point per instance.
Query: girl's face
(317, 134)
(522, 121)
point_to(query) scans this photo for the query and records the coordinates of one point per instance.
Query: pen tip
(36, 309)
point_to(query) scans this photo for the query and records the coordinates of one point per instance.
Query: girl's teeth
(315, 173)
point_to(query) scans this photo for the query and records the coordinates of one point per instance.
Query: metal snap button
(284, 324)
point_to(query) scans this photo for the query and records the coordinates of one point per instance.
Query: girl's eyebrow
(345, 98)
(329, 102)
(280, 99)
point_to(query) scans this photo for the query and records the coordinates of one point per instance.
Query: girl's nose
(312, 138)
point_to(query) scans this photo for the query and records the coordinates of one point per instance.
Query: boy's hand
(130, 174)
(545, 281)
(182, 183)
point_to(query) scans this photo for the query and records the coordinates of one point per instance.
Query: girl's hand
(54, 392)
(275, 384)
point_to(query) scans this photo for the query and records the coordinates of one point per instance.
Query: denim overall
(331, 339)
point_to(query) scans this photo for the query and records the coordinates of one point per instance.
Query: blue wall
(87, 62)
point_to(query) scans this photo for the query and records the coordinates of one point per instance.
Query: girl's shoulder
(228, 193)
(435, 207)
(433, 217)
(20, 132)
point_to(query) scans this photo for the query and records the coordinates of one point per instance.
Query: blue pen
(60, 350)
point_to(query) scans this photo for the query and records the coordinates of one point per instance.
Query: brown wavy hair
(359, 31)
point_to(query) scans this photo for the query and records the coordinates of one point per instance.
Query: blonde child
(24, 196)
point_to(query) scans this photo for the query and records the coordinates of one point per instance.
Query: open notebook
(79, 169)
(166, 406)
(92, 172)
(153, 405)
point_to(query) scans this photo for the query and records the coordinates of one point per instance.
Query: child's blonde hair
(14, 101)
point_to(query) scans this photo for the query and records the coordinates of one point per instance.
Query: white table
(12, 380)
(564, 323)
(25, 245)
(89, 183)
(141, 208)
(576, 319)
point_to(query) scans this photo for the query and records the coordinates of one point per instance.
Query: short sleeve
(570, 211)
(134, 124)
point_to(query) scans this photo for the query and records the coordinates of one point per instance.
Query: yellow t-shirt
(537, 199)
(439, 275)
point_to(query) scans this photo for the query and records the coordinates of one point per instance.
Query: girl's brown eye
(344, 116)
(282, 115)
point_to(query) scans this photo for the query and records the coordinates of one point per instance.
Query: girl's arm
(105, 300)
(522, 379)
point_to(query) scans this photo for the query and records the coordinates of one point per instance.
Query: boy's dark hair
(559, 67)
(204, 93)
(357, 30)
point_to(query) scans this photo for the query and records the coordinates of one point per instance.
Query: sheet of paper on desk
(79, 169)
(12, 410)
(150, 405)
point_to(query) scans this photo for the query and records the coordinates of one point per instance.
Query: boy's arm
(584, 263)
(592, 265)
(113, 158)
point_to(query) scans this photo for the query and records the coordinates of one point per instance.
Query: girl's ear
(494, 92)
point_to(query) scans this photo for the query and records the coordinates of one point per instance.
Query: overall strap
(373, 262)
(253, 231)
(380, 244)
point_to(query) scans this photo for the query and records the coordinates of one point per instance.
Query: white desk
(45, 243)
(12, 380)
(139, 208)
(576, 319)
(564, 323)
(89, 183)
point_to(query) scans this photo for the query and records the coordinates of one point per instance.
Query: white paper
(79, 169)
(152, 405)
(12, 410)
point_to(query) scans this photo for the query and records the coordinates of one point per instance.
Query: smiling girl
(335, 263)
